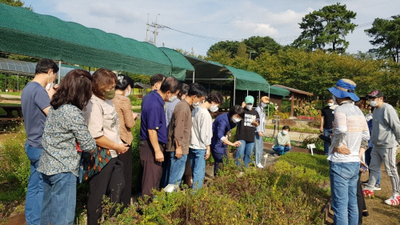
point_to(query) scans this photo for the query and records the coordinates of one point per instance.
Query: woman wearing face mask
(127, 119)
(221, 127)
(282, 141)
(245, 132)
(199, 148)
(103, 125)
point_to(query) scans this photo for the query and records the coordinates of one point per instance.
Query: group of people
(351, 136)
(81, 128)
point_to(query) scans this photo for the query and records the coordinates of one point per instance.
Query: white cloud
(255, 29)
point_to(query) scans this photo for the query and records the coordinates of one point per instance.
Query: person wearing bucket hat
(349, 141)
(245, 132)
(385, 137)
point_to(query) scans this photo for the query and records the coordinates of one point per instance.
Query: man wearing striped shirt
(350, 136)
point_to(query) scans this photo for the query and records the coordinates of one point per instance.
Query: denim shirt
(64, 128)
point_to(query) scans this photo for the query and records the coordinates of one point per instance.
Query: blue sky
(210, 21)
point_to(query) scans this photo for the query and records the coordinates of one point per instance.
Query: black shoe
(365, 213)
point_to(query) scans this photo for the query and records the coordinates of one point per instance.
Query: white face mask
(263, 105)
(284, 132)
(196, 104)
(213, 108)
(373, 103)
(330, 104)
(236, 120)
(249, 107)
(128, 93)
(172, 98)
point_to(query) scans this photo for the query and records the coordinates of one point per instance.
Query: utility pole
(155, 26)
(155, 30)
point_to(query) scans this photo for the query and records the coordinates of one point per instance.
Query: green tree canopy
(326, 27)
(255, 44)
(386, 37)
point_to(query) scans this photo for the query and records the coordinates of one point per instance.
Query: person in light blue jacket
(264, 101)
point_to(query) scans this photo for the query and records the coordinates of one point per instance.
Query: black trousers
(360, 200)
(126, 159)
(110, 182)
(152, 170)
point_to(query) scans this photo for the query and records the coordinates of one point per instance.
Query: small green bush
(135, 101)
(288, 193)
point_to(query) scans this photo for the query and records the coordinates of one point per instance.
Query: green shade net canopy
(279, 91)
(180, 65)
(27, 33)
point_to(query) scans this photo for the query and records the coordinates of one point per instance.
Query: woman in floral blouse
(64, 129)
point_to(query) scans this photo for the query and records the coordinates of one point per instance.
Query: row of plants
(292, 191)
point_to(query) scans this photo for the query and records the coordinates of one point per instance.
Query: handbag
(93, 162)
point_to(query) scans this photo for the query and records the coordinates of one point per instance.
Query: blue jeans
(344, 177)
(327, 133)
(198, 164)
(34, 193)
(60, 199)
(218, 160)
(281, 150)
(243, 152)
(259, 147)
(176, 169)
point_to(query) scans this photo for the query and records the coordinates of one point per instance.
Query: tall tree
(257, 45)
(326, 27)
(227, 46)
(386, 37)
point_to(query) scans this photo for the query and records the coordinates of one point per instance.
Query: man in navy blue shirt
(153, 133)
(35, 104)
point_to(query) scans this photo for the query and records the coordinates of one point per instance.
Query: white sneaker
(393, 200)
(260, 166)
(377, 187)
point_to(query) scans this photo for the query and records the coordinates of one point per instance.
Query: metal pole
(234, 91)
(59, 72)
(17, 82)
(269, 94)
(155, 31)
(147, 30)
(193, 77)
(247, 93)
(259, 98)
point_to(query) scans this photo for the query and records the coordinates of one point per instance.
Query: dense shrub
(285, 194)
(15, 165)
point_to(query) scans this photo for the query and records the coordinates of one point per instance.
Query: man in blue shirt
(35, 104)
(221, 129)
(153, 133)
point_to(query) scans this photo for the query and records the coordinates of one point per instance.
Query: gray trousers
(388, 157)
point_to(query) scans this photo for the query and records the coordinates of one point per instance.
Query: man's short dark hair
(215, 96)
(156, 78)
(236, 109)
(170, 84)
(197, 89)
(184, 89)
(44, 65)
(286, 127)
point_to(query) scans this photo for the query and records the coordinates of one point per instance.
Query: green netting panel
(180, 65)
(279, 91)
(247, 80)
(28, 33)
